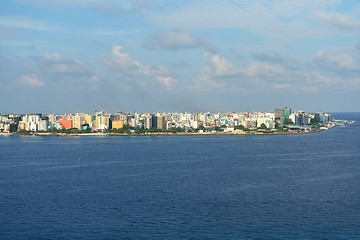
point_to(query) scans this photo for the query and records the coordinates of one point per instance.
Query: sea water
(301, 186)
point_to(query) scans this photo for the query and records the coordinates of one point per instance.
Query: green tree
(219, 129)
(175, 130)
(24, 132)
(201, 127)
(288, 121)
(263, 126)
(314, 121)
(241, 127)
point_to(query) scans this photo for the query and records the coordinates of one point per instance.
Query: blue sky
(165, 56)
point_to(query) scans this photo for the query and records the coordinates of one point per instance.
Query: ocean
(299, 186)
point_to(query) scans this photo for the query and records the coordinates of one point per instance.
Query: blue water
(183, 187)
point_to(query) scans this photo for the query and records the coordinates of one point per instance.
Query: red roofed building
(65, 123)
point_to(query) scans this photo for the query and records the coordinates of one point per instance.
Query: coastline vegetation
(218, 130)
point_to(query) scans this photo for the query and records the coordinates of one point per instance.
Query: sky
(63, 56)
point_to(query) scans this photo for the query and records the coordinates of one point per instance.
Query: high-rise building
(303, 119)
(294, 118)
(117, 124)
(102, 122)
(43, 125)
(278, 113)
(88, 119)
(160, 122)
(286, 112)
(76, 121)
(13, 127)
(24, 126)
(148, 122)
(17, 119)
(153, 121)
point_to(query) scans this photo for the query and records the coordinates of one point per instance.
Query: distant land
(282, 120)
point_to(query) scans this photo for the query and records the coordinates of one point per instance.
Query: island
(281, 121)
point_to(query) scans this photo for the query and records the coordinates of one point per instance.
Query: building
(65, 123)
(160, 122)
(148, 122)
(153, 121)
(102, 122)
(24, 126)
(117, 124)
(286, 112)
(278, 113)
(88, 118)
(268, 119)
(85, 127)
(294, 118)
(43, 125)
(13, 127)
(76, 121)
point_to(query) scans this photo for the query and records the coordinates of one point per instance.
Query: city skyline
(184, 56)
(279, 120)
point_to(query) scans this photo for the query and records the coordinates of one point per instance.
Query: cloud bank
(129, 70)
(31, 81)
(176, 39)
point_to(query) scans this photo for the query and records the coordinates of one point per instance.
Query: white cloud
(61, 72)
(340, 21)
(220, 73)
(282, 86)
(176, 39)
(166, 81)
(109, 6)
(54, 64)
(124, 64)
(219, 66)
(124, 61)
(263, 16)
(65, 68)
(316, 78)
(216, 74)
(52, 56)
(271, 58)
(58, 3)
(258, 68)
(32, 81)
(25, 23)
(205, 14)
(340, 61)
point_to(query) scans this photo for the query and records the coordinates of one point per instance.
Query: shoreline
(155, 134)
